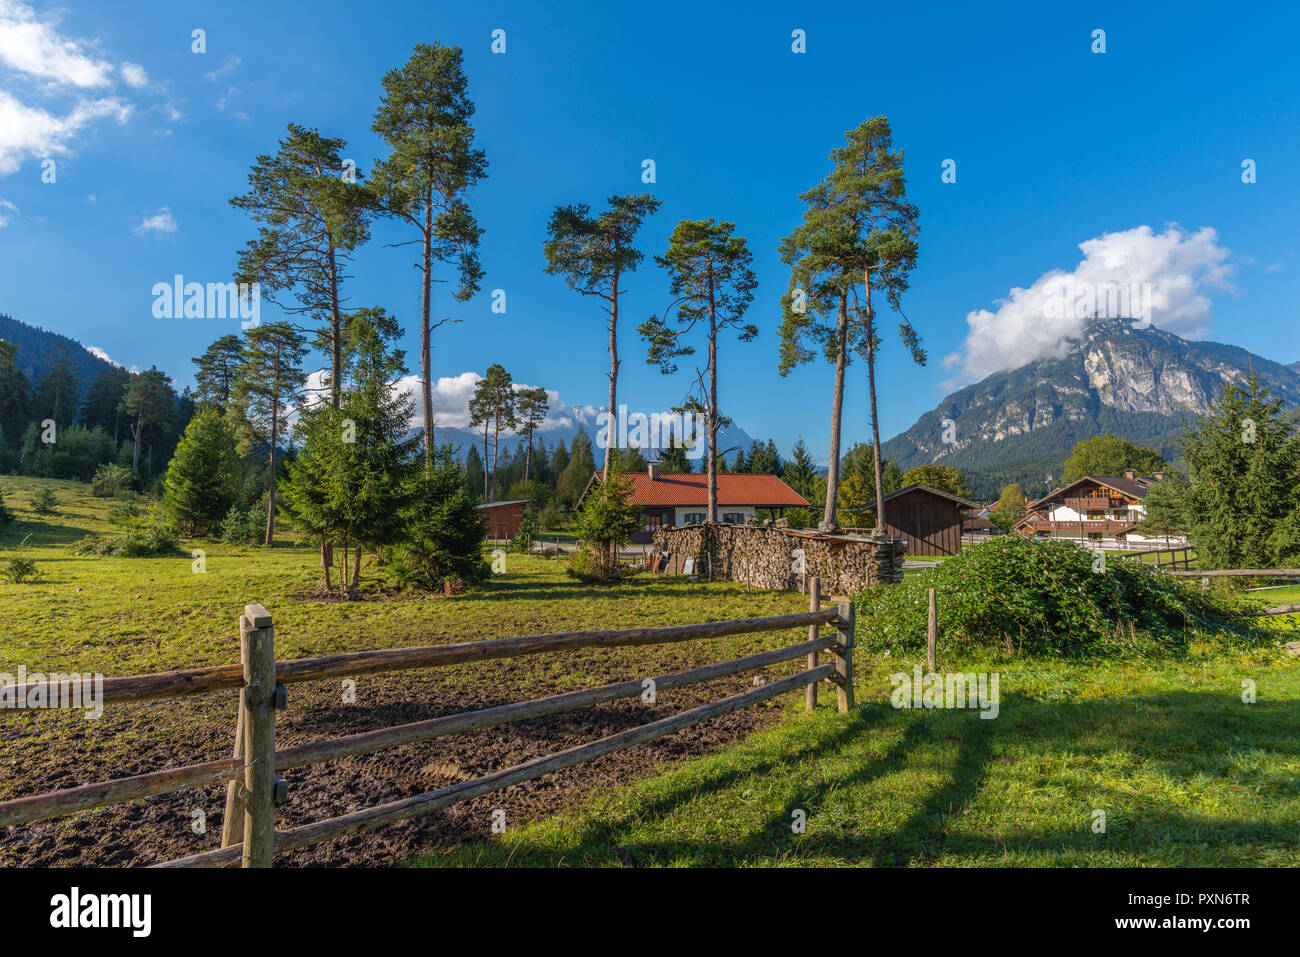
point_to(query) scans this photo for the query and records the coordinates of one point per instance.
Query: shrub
(125, 511)
(44, 502)
(111, 480)
(524, 536)
(607, 522)
(244, 526)
(445, 531)
(20, 568)
(1040, 597)
(149, 535)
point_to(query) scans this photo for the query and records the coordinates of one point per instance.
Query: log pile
(772, 555)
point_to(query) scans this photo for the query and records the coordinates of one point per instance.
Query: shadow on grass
(1184, 737)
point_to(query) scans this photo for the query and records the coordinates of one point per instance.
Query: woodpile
(773, 555)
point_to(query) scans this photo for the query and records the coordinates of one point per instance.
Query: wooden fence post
(932, 636)
(258, 637)
(814, 604)
(232, 824)
(844, 656)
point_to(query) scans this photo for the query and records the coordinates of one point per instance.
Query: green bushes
(148, 535)
(1043, 598)
(244, 526)
(111, 480)
(44, 502)
(19, 569)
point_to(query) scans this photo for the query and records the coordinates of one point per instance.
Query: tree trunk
(336, 379)
(270, 482)
(528, 459)
(613, 372)
(485, 464)
(496, 444)
(875, 419)
(837, 414)
(354, 586)
(712, 479)
(136, 431)
(426, 334)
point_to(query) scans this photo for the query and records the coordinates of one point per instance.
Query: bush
(124, 512)
(607, 522)
(149, 535)
(445, 531)
(524, 536)
(44, 502)
(244, 526)
(20, 568)
(111, 480)
(1039, 597)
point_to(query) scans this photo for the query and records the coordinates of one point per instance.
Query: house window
(1094, 536)
(652, 521)
(734, 518)
(693, 518)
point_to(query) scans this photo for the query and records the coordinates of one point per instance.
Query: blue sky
(1055, 146)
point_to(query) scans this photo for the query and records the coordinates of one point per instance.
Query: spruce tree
(204, 475)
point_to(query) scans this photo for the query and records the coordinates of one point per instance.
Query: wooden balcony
(1074, 528)
(1096, 502)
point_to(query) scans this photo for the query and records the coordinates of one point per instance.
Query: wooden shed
(504, 518)
(929, 518)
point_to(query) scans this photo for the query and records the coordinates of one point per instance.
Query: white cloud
(27, 131)
(1178, 266)
(227, 65)
(134, 75)
(159, 223)
(39, 50)
(7, 212)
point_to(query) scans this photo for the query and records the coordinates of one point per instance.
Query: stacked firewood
(771, 555)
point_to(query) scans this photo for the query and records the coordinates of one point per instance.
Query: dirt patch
(53, 751)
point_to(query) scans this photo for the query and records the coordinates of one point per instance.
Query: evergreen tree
(102, 406)
(444, 529)
(57, 393)
(204, 475)
(270, 379)
(577, 474)
(592, 254)
(559, 461)
(217, 370)
(474, 473)
(858, 227)
(532, 406)
(710, 276)
(15, 396)
(312, 214)
(424, 118)
(1164, 509)
(1243, 459)
(673, 460)
(800, 470)
(150, 401)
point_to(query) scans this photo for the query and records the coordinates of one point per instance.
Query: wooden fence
(254, 788)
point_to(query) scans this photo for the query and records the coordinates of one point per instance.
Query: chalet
(681, 498)
(929, 518)
(1097, 510)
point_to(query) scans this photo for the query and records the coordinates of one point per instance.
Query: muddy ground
(50, 751)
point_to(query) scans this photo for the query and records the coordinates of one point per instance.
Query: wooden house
(929, 518)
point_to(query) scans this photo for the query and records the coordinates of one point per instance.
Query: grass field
(1184, 770)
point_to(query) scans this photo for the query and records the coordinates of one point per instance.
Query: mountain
(38, 350)
(1143, 385)
(730, 438)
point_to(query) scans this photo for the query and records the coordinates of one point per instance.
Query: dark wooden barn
(929, 518)
(504, 518)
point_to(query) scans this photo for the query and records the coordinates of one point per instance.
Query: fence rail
(248, 834)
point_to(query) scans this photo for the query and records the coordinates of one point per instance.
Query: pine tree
(710, 276)
(270, 379)
(592, 254)
(858, 227)
(150, 401)
(204, 475)
(217, 370)
(800, 471)
(444, 529)
(532, 405)
(1243, 459)
(102, 406)
(15, 396)
(424, 117)
(57, 393)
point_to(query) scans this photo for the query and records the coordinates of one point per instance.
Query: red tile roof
(764, 491)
